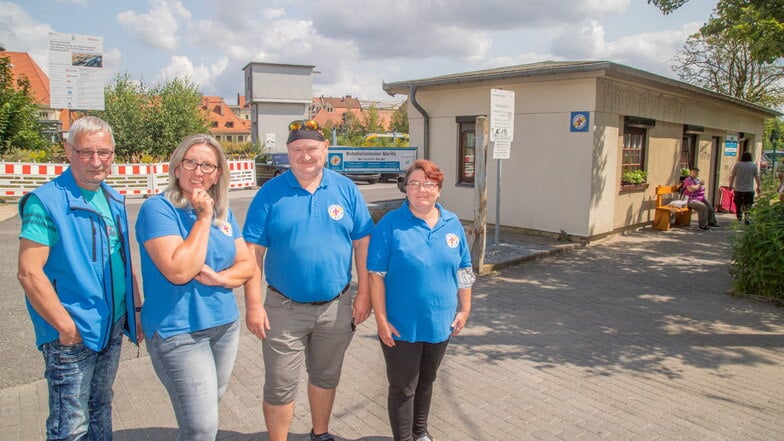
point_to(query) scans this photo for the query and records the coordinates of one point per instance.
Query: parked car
(269, 165)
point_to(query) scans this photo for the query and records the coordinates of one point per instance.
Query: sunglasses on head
(304, 124)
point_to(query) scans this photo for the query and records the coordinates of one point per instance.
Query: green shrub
(758, 253)
(35, 155)
(635, 176)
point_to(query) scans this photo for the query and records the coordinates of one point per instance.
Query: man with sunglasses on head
(75, 269)
(304, 227)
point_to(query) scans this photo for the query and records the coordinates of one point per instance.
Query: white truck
(371, 164)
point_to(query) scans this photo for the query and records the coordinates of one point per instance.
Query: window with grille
(633, 149)
(688, 151)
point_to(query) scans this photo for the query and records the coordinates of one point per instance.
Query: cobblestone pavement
(634, 338)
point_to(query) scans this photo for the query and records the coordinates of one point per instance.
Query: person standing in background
(81, 291)
(743, 176)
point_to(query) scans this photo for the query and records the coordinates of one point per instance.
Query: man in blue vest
(75, 269)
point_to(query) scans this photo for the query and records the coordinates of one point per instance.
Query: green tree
(774, 140)
(399, 121)
(175, 114)
(725, 64)
(152, 121)
(760, 23)
(19, 127)
(126, 109)
(372, 123)
(351, 131)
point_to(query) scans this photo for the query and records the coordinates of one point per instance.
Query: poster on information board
(731, 144)
(76, 71)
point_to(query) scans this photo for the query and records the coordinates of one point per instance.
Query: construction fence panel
(142, 180)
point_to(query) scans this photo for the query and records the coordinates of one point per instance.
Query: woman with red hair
(420, 289)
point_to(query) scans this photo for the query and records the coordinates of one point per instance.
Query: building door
(715, 188)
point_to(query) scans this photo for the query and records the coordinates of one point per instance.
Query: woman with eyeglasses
(193, 256)
(420, 290)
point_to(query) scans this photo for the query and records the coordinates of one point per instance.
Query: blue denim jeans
(80, 388)
(195, 369)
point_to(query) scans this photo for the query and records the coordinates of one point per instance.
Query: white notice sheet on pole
(501, 122)
(501, 148)
(76, 71)
(501, 114)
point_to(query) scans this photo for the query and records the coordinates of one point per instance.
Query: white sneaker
(425, 437)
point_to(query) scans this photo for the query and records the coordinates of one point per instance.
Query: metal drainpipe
(412, 96)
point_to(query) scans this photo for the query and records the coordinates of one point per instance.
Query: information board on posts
(76, 75)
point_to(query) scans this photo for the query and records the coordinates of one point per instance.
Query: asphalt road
(21, 360)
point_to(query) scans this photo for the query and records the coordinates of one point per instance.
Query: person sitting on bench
(694, 188)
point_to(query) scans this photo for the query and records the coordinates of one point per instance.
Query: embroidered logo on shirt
(336, 212)
(226, 229)
(452, 241)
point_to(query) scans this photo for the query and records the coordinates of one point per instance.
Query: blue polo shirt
(421, 271)
(308, 237)
(171, 309)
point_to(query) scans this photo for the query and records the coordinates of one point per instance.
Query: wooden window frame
(466, 150)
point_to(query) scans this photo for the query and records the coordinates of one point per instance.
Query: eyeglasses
(427, 185)
(103, 155)
(206, 167)
(303, 124)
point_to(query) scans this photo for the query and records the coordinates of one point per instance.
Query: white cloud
(21, 33)
(449, 28)
(112, 60)
(82, 3)
(651, 51)
(158, 28)
(201, 75)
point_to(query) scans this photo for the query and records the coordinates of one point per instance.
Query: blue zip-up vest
(79, 266)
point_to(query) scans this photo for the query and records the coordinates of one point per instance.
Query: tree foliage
(726, 65)
(354, 131)
(151, 121)
(757, 259)
(351, 131)
(126, 105)
(176, 114)
(372, 122)
(399, 122)
(19, 127)
(760, 23)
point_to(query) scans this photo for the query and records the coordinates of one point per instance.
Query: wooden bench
(664, 212)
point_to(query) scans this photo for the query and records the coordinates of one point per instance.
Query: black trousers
(743, 201)
(411, 372)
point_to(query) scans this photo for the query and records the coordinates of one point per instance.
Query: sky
(355, 45)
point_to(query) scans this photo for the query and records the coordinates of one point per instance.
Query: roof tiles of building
(23, 66)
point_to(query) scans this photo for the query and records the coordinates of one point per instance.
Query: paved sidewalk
(635, 338)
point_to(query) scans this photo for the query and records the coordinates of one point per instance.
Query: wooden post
(478, 234)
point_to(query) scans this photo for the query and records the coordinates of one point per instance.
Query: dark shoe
(705, 228)
(714, 224)
(746, 222)
(322, 437)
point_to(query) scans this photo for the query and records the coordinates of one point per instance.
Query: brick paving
(633, 338)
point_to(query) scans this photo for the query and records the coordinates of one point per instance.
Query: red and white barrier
(18, 178)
